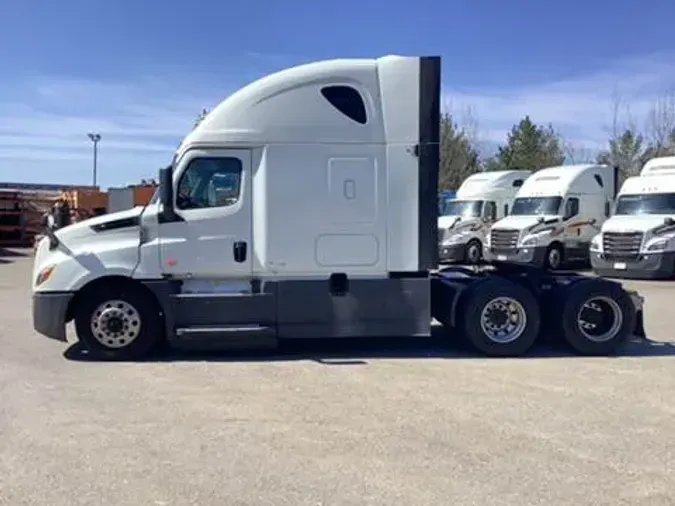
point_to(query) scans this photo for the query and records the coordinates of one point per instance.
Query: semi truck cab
(554, 217)
(313, 181)
(305, 205)
(481, 200)
(638, 241)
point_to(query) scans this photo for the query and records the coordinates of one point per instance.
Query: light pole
(95, 138)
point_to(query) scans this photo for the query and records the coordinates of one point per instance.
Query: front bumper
(651, 266)
(531, 256)
(451, 253)
(49, 313)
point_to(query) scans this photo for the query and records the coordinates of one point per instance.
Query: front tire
(555, 255)
(499, 318)
(119, 322)
(473, 252)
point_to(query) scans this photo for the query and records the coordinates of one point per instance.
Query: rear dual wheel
(597, 317)
(499, 318)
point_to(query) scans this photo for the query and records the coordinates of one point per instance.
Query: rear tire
(498, 317)
(119, 322)
(597, 317)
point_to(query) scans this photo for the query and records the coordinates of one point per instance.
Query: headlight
(595, 243)
(658, 245)
(44, 275)
(455, 238)
(530, 240)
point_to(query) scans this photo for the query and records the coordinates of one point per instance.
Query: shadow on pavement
(359, 351)
(11, 252)
(7, 255)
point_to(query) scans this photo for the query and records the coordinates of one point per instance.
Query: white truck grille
(504, 240)
(622, 245)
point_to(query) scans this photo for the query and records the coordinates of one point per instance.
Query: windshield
(463, 208)
(536, 206)
(655, 203)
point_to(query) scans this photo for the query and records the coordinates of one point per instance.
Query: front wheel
(473, 252)
(554, 257)
(499, 318)
(119, 323)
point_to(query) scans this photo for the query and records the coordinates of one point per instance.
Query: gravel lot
(396, 424)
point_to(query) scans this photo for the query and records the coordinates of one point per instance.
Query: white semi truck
(482, 199)
(305, 206)
(638, 241)
(554, 217)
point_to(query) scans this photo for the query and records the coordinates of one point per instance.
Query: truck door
(212, 239)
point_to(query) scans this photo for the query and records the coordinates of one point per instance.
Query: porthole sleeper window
(348, 101)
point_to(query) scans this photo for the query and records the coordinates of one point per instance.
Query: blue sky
(139, 71)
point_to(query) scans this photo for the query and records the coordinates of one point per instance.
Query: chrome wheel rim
(115, 324)
(503, 320)
(600, 319)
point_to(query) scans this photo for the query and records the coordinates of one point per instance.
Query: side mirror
(668, 221)
(48, 226)
(168, 213)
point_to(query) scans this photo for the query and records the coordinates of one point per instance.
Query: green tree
(627, 151)
(458, 156)
(529, 147)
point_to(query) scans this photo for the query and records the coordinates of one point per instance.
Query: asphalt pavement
(382, 423)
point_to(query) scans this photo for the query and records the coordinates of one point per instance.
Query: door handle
(239, 251)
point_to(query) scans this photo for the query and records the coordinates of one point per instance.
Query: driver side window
(490, 211)
(571, 207)
(209, 182)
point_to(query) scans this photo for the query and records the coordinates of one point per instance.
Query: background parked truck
(638, 241)
(481, 200)
(554, 217)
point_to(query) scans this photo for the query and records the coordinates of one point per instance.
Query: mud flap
(639, 302)
(639, 326)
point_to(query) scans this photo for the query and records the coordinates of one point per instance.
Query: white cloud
(581, 107)
(43, 128)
